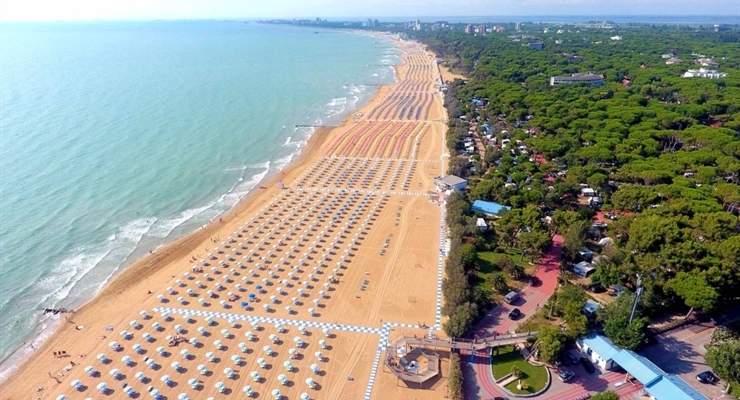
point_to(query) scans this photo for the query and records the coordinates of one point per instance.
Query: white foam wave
(287, 141)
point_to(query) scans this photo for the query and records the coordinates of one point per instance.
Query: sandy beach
(296, 290)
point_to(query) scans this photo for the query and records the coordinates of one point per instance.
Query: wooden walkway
(462, 344)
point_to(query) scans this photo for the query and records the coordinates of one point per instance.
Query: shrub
(455, 381)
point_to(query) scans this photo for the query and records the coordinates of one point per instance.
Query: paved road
(681, 352)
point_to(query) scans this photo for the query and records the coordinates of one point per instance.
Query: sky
(55, 10)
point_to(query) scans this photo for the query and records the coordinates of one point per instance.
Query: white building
(448, 182)
(704, 73)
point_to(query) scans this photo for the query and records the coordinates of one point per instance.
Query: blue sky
(24, 10)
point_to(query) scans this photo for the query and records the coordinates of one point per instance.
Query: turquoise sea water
(116, 138)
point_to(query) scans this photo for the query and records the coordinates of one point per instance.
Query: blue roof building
(488, 207)
(657, 382)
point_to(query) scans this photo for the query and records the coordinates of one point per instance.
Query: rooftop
(488, 207)
(451, 180)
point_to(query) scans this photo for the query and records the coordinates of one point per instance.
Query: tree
(516, 271)
(455, 379)
(515, 371)
(694, 290)
(468, 255)
(551, 343)
(725, 360)
(497, 281)
(461, 320)
(608, 395)
(628, 335)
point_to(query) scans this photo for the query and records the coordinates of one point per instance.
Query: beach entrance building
(657, 383)
(451, 182)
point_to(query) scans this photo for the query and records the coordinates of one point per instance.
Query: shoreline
(165, 254)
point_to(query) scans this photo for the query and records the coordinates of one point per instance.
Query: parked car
(598, 289)
(511, 297)
(566, 375)
(706, 377)
(515, 313)
(570, 359)
(587, 365)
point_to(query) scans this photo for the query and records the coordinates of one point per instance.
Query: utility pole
(638, 294)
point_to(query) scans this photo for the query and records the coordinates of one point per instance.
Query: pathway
(478, 368)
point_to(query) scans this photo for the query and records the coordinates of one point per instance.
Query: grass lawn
(487, 266)
(506, 358)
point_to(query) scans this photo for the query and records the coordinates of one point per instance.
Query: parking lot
(681, 352)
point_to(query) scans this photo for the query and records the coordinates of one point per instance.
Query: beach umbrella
(255, 375)
(243, 347)
(319, 355)
(261, 362)
(193, 383)
(202, 369)
(166, 379)
(77, 384)
(175, 365)
(140, 376)
(228, 372)
(220, 386)
(161, 350)
(292, 351)
(305, 396)
(255, 325)
(267, 350)
(154, 393)
(182, 396)
(322, 343)
(310, 382)
(311, 311)
(282, 379)
(236, 359)
(314, 368)
(102, 387)
(61, 397)
(276, 394)
(126, 360)
(298, 341)
(249, 335)
(185, 353)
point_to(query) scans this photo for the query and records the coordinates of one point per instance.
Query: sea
(119, 137)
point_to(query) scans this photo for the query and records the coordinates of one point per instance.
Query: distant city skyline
(54, 10)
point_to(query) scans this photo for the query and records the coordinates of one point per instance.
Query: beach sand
(294, 238)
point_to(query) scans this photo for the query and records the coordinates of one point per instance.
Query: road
(681, 352)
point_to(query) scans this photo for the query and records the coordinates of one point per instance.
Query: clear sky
(35, 10)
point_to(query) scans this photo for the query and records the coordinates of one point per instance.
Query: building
(488, 208)
(615, 38)
(481, 30)
(451, 182)
(586, 77)
(706, 62)
(673, 60)
(481, 224)
(657, 383)
(537, 46)
(704, 73)
(469, 29)
(667, 55)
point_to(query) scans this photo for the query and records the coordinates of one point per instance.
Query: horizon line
(347, 18)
